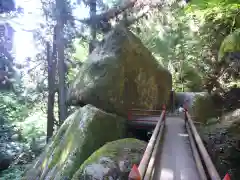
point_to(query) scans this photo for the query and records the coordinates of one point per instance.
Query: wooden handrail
(145, 114)
(196, 154)
(145, 110)
(150, 147)
(211, 170)
(150, 169)
(135, 112)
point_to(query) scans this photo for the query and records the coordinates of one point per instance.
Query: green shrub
(204, 108)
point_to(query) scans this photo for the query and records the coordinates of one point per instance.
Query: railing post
(134, 173)
(185, 112)
(164, 111)
(129, 115)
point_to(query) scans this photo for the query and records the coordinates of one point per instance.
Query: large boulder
(121, 74)
(222, 138)
(81, 134)
(230, 44)
(112, 161)
(205, 106)
(229, 55)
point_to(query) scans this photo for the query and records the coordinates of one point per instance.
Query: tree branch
(111, 13)
(133, 19)
(141, 7)
(30, 70)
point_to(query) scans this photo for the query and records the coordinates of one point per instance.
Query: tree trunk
(93, 9)
(51, 94)
(61, 64)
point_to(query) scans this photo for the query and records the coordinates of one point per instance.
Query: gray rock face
(121, 74)
(5, 160)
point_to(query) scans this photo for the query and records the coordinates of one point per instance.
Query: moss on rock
(204, 108)
(112, 161)
(121, 74)
(231, 43)
(82, 133)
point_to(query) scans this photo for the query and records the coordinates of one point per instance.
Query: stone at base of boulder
(5, 161)
(112, 161)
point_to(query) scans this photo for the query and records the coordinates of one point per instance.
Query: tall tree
(50, 105)
(51, 59)
(60, 44)
(93, 10)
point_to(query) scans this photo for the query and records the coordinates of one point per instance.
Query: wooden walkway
(175, 160)
(175, 150)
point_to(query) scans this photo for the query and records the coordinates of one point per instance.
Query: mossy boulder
(81, 134)
(112, 161)
(222, 139)
(230, 44)
(204, 107)
(121, 74)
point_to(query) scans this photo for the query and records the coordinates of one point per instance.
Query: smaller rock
(112, 161)
(5, 161)
(15, 137)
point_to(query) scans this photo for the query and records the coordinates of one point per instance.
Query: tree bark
(93, 10)
(61, 64)
(51, 94)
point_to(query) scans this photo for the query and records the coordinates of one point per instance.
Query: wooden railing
(134, 113)
(206, 168)
(145, 167)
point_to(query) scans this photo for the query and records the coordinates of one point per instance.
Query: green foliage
(79, 56)
(221, 138)
(11, 108)
(13, 173)
(190, 37)
(26, 116)
(204, 109)
(34, 126)
(81, 50)
(26, 120)
(230, 44)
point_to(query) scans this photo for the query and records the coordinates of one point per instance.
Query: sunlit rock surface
(112, 161)
(121, 74)
(230, 44)
(82, 133)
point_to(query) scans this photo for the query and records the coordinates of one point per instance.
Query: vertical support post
(185, 112)
(129, 115)
(134, 173)
(172, 100)
(164, 109)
